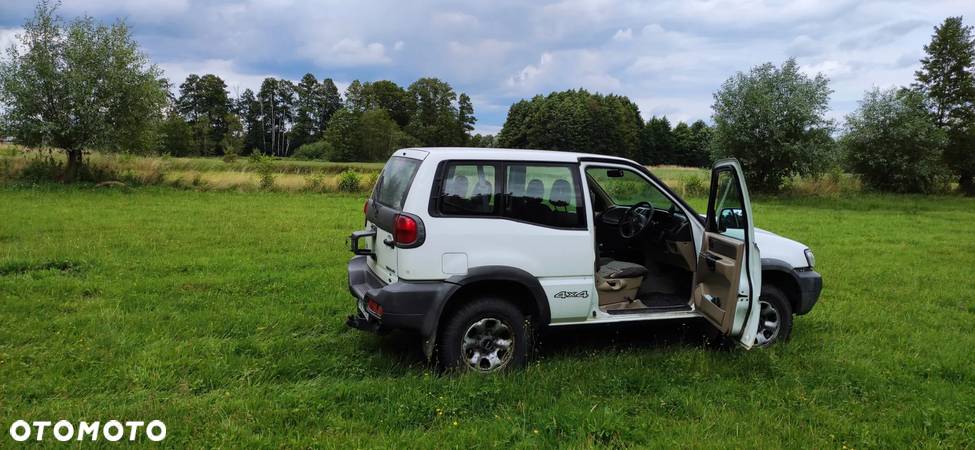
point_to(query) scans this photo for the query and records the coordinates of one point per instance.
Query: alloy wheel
(487, 345)
(768, 324)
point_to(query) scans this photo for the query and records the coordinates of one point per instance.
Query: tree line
(80, 85)
(577, 120)
(311, 119)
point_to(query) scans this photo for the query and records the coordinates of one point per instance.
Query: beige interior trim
(721, 282)
(617, 290)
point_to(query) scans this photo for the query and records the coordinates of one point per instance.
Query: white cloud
(487, 129)
(348, 52)
(676, 108)
(398, 45)
(623, 35)
(455, 19)
(833, 69)
(528, 75)
(8, 37)
(237, 81)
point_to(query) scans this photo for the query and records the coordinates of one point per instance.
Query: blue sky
(667, 56)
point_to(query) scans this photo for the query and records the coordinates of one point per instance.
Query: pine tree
(331, 104)
(947, 77)
(465, 118)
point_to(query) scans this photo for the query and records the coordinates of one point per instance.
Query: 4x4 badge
(570, 294)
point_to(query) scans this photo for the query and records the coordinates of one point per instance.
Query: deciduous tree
(435, 120)
(773, 120)
(388, 96)
(79, 85)
(893, 143)
(574, 120)
(657, 142)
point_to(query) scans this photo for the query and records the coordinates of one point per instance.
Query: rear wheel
(486, 335)
(775, 317)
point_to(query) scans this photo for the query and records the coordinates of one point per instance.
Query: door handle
(711, 261)
(389, 242)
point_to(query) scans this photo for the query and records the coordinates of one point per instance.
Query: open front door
(728, 278)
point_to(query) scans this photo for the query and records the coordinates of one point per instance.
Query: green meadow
(222, 314)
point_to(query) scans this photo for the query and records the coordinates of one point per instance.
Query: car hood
(773, 246)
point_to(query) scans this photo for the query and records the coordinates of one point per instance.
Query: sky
(669, 57)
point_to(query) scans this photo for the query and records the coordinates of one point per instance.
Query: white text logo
(64, 430)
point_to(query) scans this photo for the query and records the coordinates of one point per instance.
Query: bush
(315, 182)
(893, 143)
(230, 157)
(314, 150)
(694, 186)
(349, 181)
(264, 168)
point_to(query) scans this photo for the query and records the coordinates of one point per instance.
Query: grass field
(222, 314)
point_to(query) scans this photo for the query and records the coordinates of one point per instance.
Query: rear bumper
(810, 286)
(405, 305)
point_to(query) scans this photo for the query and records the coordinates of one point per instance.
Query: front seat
(532, 207)
(560, 196)
(617, 282)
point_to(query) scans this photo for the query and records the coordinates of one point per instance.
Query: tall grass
(244, 175)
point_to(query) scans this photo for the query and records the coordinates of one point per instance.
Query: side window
(727, 206)
(545, 195)
(468, 189)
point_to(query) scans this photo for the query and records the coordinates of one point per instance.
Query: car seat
(617, 283)
(560, 197)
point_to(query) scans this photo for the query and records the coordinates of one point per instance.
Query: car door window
(469, 189)
(547, 195)
(729, 218)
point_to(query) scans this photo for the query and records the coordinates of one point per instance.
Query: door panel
(728, 277)
(719, 274)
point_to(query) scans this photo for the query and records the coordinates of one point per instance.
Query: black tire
(775, 309)
(486, 320)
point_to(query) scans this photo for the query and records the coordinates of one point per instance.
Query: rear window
(395, 180)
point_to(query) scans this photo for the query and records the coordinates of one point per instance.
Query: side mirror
(614, 173)
(730, 218)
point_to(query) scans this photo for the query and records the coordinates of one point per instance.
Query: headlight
(810, 258)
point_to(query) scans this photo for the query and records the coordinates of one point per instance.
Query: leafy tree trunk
(74, 166)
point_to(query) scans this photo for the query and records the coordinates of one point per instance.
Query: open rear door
(728, 278)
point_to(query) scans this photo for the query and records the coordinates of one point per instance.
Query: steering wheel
(635, 220)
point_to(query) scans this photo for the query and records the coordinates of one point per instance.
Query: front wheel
(486, 335)
(775, 317)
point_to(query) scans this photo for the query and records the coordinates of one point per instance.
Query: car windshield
(627, 188)
(395, 180)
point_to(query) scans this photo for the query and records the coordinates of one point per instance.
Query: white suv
(477, 248)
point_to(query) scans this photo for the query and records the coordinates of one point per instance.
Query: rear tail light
(374, 307)
(365, 208)
(405, 229)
